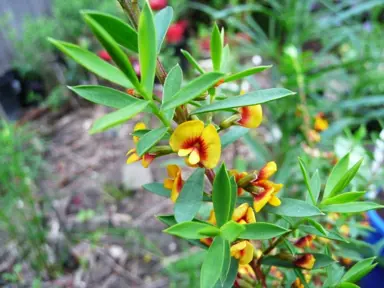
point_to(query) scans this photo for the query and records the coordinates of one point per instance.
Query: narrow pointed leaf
(226, 60)
(93, 63)
(347, 285)
(261, 231)
(187, 230)
(352, 207)
(316, 185)
(221, 196)
(120, 31)
(246, 73)
(147, 49)
(162, 21)
(304, 171)
(322, 260)
(118, 117)
(210, 231)
(150, 139)
(234, 134)
(337, 172)
(171, 86)
(118, 56)
(231, 276)
(157, 188)
(252, 98)
(359, 270)
(231, 230)
(216, 48)
(314, 231)
(191, 197)
(295, 208)
(343, 198)
(193, 89)
(317, 226)
(232, 205)
(192, 61)
(213, 263)
(104, 96)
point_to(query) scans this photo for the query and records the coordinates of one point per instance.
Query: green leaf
(231, 230)
(216, 48)
(193, 89)
(317, 226)
(226, 60)
(231, 276)
(187, 230)
(171, 86)
(232, 205)
(162, 21)
(209, 231)
(147, 49)
(316, 185)
(252, 98)
(343, 198)
(226, 262)
(347, 285)
(295, 208)
(314, 231)
(192, 61)
(345, 179)
(191, 197)
(337, 172)
(150, 139)
(307, 182)
(213, 263)
(352, 207)
(105, 96)
(246, 73)
(157, 188)
(261, 231)
(221, 196)
(120, 31)
(93, 63)
(118, 117)
(118, 56)
(290, 247)
(359, 270)
(322, 260)
(234, 133)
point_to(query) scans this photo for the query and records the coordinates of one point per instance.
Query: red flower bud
(158, 4)
(176, 32)
(104, 55)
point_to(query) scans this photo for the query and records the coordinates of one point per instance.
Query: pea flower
(305, 261)
(147, 158)
(246, 276)
(238, 176)
(305, 241)
(244, 214)
(201, 145)
(251, 116)
(243, 251)
(298, 284)
(174, 182)
(321, 123)
(270, 189)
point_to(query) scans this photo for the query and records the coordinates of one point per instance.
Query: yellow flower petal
(177, 186)
(138, 126)
(212, 217)
(168, 183)
(250, 216)
(243, 251)
(267, 171)
(185, 152)
(194, 157)
(173, 170)
(211, 151)
(133, 158)
(251, 116)
(274, 201)
(240, 212)
(260, 200)
(185, 132)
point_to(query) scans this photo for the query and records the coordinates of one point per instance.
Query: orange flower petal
(168, 183)
(260, 200)
(147, 160)
(173, 170)
(267, 171)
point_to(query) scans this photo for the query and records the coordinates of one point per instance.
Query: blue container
(375, 279)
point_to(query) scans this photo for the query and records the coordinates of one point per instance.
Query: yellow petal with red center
(261, 199)
(186, 133)
(305, 261)
(173, 170)
(168, 183)
(240, 212)
(251, 116)
(147, 160)
(274, 201)
(250, 216)
(210, 151)
(194, 157)
(184, 152)
(133, 157)
(267, 171)
(177, 186)
(138, 126)
(236, 250)
(305, 241)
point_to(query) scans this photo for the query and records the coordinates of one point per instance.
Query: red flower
(158, 4)
(176, 32)
(104, 55)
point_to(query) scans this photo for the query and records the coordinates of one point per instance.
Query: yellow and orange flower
(238, 176)
(305, 241)
(321, 122)
(298, 284)
(270, 189)
(245, 274)
(201, 145)
(305, 261)
(174, 182)
(242, 251)
(244, 214)
(251, 116)
(147, 158)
